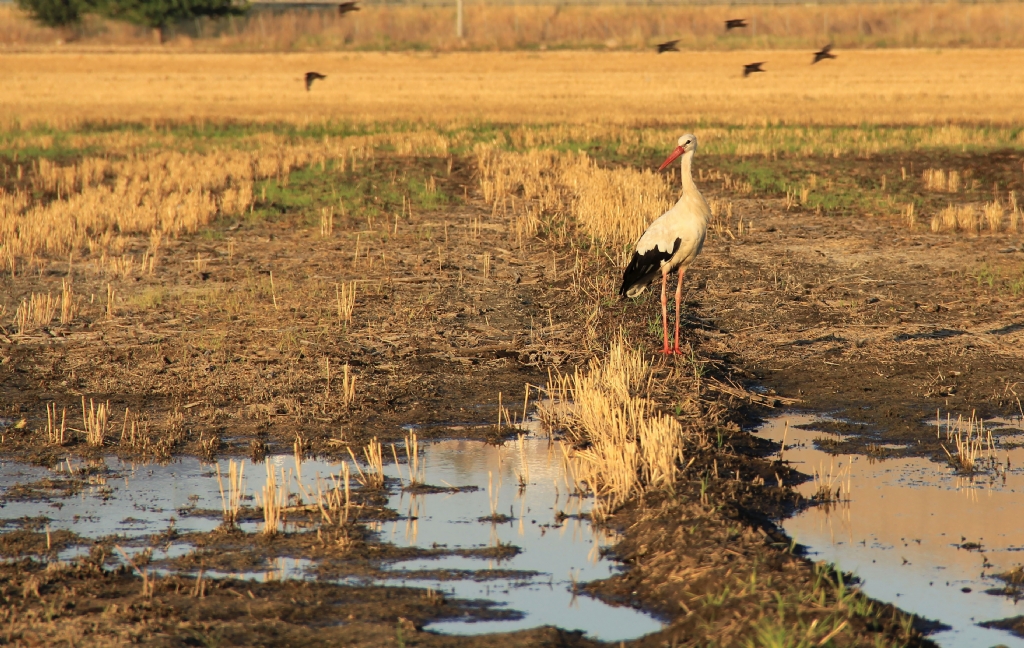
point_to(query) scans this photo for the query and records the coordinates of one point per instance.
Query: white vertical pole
(458, 18)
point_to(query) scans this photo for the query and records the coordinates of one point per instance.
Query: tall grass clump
(97, 202)
(231, 502)
(35, 312)
(993, 217)
(972, 440)
(373, 476)
(274, 500)
(622, 445)
(94, 421)
(610, 205)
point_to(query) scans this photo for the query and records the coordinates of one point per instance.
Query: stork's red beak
(676, 153)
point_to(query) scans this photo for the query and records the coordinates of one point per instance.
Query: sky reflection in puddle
(561, 551)
(900, 530)
(137, 501)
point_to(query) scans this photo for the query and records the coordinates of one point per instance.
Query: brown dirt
(830, 314)
(86, 604)
(211, 365)
(1013, 624)
(864, 319)
(1014, 587)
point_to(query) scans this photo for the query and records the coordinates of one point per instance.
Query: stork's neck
(687, 164)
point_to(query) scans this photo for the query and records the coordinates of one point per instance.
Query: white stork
(672, 242)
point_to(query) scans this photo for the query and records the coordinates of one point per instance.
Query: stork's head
(687, 144)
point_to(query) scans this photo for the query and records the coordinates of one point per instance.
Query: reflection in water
(528, 484)
(911, 529)
(543, 520)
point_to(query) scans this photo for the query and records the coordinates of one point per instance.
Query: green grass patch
(382, 188)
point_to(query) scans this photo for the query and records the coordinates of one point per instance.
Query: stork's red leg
(679, 301)
(664, 311)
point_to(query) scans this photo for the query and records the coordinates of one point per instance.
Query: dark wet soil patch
(427, 489)
(187, 611)
(25, 542)
(826, 312)
(1013, 624)
(224, 363)
(1014, 587)
(44, 489)
(497, 518)
(876, 323)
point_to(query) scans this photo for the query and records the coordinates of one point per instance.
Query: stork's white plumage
(671, 242)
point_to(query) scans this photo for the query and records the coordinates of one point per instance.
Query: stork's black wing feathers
(643, 267)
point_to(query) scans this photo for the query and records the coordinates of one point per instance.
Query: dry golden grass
(35, 312)
(94, 421)
(56, 434)
(993, 217)
(614, 205)
(231, 502)
(973, 442)
(866, 86)
(940, 180)
(417, 471)
(95, 206)
(274, 499)
(611, 205)
(151, 182)
(373, 476)
(134, 434)
(623, 447)
(346, 297)
(100, 203)
(510, 25)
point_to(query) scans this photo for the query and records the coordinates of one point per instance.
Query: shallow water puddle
(137, 501)
(562, 550)
(908, 528)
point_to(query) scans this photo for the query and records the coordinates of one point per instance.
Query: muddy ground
(234, 345)
(876, 323)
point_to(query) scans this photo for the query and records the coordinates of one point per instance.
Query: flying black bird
(346, 7)
(825, 53)
(668, 47)
(735, 23)
(750, 68)
(311, 77)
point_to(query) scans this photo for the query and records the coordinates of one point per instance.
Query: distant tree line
(155, 14)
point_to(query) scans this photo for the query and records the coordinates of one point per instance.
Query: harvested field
(266, 284)
(882, 87)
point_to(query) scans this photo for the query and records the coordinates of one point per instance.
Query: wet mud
(860, 315)
(242, 356)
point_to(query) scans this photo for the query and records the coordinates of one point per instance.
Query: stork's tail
(643, 268)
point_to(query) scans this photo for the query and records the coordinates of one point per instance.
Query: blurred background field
(882, 87)
(579, 25)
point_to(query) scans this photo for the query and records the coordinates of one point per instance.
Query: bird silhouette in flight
(735, 23)
(346, 7)
(750, 68)
(825, 53)
(311, 77)
(670, 46)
